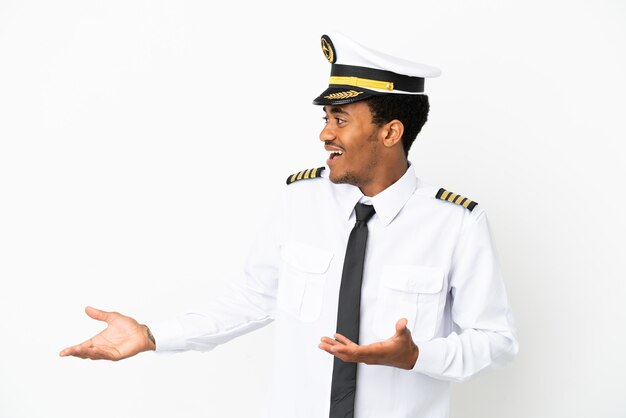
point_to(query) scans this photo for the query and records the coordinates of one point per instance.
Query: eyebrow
(336, 110)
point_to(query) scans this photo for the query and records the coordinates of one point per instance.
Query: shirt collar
(390, 201)
(387, 203)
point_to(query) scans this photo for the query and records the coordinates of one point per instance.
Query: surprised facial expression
(351, 140)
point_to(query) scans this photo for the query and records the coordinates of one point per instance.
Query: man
(404, 272)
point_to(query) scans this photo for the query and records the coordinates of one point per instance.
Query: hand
(398, 351)
(124, 337)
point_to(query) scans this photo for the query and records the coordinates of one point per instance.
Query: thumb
(401, 326)
(97, 314)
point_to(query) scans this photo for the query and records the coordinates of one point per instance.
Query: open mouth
(334, 154)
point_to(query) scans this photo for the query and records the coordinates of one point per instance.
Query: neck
(385, 176)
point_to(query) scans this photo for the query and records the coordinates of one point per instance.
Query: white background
(141, 140)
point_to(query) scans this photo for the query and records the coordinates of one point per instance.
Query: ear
(392, 133)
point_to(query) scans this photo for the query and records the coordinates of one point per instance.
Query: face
(351, 139)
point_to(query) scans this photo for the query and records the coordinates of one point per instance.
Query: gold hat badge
(328, 49)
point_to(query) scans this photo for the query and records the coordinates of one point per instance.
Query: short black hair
(410, 109)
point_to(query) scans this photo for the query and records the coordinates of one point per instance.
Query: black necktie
(344, 374)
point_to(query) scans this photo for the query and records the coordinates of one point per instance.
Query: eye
(325, 119)
(340, 121)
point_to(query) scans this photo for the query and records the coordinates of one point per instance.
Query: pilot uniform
(430, 258)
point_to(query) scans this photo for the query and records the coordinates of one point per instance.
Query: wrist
(415, 353)
(150, 341)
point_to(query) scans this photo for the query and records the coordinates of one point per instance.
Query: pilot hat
(358, 72)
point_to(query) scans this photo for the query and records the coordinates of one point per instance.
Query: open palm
(123, 337)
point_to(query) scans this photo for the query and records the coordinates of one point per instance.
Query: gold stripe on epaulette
(444, 194)
(310, 173)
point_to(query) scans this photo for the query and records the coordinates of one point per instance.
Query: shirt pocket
(411, 292)
(302, 279)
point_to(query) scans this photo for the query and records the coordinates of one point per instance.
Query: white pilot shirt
(427, 260)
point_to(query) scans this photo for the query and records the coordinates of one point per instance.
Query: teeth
(335, 152)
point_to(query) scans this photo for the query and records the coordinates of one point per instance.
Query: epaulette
(443, 194)
(311, 173)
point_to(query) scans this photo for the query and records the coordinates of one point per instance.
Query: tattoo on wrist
(150, 336)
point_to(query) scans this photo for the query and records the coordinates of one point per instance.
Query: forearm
(458, 357)
(235, 313)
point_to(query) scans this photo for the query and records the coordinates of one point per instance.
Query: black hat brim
(338, 95)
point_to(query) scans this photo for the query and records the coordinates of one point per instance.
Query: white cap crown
(359, 72)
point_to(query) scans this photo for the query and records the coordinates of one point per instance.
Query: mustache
(333, 144)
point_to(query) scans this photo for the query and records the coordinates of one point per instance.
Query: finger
(75, 351)
(65, 352)
(343, 340)
(328, 341)
(92, 352)
(78, 348)
(346, 353)
(85, 353)
(99, 315)
(332, 349)
(401, 325)
(402, 330)
(326, 347)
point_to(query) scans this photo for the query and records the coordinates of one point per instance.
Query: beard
(346, 178)
(361, 177)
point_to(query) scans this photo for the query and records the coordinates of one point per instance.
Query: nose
(327, 134)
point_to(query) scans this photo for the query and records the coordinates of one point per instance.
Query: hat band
(375, 79)
(361, 82)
